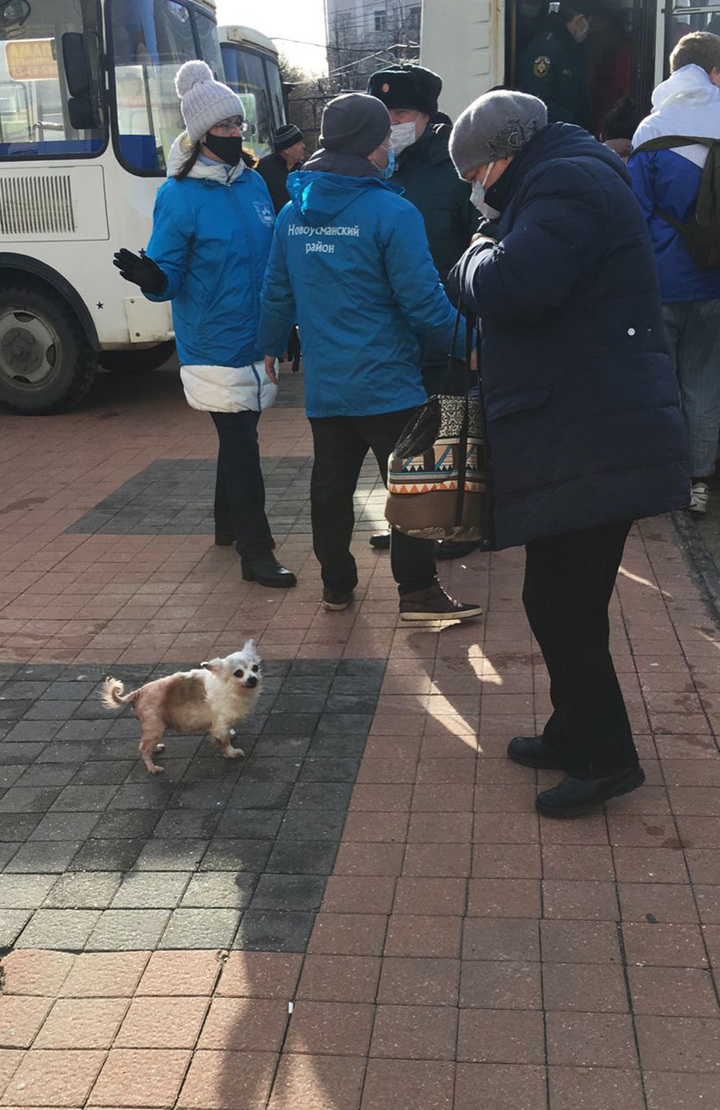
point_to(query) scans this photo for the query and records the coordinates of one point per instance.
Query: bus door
(617, 59)
(682, 17)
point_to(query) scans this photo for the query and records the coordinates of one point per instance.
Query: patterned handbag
(438, 474)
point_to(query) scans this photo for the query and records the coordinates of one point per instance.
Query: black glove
(140, 270)
(294, 350)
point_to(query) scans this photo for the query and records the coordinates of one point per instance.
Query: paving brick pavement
(367, 913)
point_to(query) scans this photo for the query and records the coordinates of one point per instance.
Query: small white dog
(210, 699)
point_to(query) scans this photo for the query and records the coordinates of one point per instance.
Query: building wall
(364, 35)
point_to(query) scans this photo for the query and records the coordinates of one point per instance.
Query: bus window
(208, 43)
(277, 104)
(700, 17)
(34, 113)
(150, 40)
(245, 74)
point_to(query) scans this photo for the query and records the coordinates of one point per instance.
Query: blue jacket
(212, 241)
(686, 104)
(581, 400)
(350, 263)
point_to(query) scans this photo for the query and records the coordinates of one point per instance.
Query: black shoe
(336, 600)
(434, 604)
(224, 539)
(572, 797)
(455, 549)
(380, 540)
(532, 751)
(269, 572)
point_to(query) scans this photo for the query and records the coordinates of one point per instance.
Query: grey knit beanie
(203, 100)
(354, 123)
(494, 126)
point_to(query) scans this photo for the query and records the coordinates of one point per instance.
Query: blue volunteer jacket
(350, 264)
(580, 396)
(686, 104)
(212, 239)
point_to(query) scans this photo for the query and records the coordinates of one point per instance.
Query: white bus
(88, 112)
(251, 69)
(474, 45)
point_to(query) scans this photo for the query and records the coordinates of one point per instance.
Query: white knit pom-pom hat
(203, 100)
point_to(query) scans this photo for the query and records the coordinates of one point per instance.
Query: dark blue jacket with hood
(350, 264)
(581, 400)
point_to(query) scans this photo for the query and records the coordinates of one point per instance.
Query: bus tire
(139, 361)
(46, 362)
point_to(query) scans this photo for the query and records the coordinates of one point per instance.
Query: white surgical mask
(582, 32)
(477, 196)
(403, 136)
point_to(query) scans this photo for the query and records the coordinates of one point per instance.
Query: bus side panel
(465, 45)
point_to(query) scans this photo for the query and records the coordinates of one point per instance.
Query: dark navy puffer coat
(580, 396)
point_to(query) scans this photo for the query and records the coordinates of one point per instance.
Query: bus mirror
(81, 113)
(77, 70)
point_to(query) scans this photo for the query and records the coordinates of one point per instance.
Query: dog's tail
(113, 694)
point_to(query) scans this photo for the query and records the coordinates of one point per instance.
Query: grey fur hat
(495, 125)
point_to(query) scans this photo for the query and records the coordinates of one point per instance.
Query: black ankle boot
(532, 751)
(268, 572)
(574, 796)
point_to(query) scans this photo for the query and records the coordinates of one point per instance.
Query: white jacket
(228, 388)
(686, 104)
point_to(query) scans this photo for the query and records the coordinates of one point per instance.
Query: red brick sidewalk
(466, 954)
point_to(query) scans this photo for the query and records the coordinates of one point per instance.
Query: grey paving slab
(201, 928)
(151, 890)
(65, 929)
(18, 892)
(12, 923)
(127, 930)
(96, 855)
(85, 890)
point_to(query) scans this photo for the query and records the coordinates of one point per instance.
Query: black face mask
(227, 147)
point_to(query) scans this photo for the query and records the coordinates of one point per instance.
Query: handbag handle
(472, 326)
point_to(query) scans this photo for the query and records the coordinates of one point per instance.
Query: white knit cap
(203, 100)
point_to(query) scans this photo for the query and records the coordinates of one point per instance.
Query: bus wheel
(46, 363)
(139, 361)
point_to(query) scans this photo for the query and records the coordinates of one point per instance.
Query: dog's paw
(233, 753)
(154, 769)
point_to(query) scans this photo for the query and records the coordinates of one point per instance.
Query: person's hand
(140, 270)
(270, 364)
(478, 237)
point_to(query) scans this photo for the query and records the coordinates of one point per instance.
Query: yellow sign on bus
(31, 60)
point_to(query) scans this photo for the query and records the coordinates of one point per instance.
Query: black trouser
(569, 582)
(239, 485)
(341, 444)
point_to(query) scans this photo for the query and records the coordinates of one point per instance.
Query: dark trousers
(239, 485)
(341, 444)
(569, 582)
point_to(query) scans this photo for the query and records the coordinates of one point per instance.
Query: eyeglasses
(227, 126)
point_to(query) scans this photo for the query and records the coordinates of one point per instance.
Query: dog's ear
(251, 649)
(214, 666)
